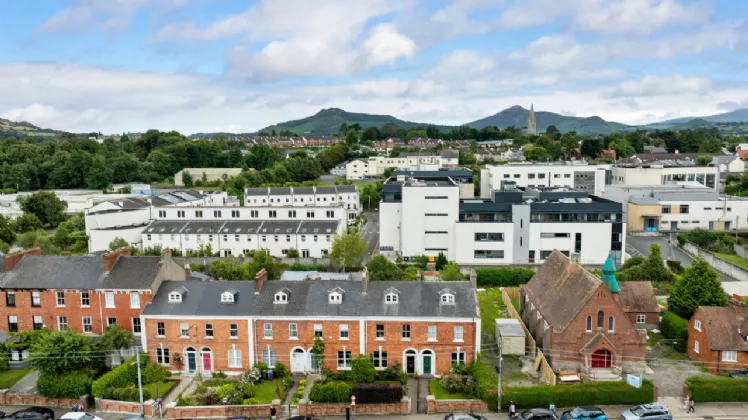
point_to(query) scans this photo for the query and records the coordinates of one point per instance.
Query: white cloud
(106, 15)
(732, 105)
(636, 16)
(385, 45)
(663, 85)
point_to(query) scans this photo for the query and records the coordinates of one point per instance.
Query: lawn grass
(10, 377)
(664, 351)
(265, 391)
(491, 307)
(163, 388)
(437, 390)
(734, 259)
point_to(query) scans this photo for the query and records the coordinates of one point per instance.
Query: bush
(393, 373)
(73, 385)
(302, 382)
(674, 327)
(632, 262)
(331, 392)
(362, 369)
(220, 375)
(130, 393)
(452, 382)
(154, 373)
(486, 378)
(590, 393)
(503, 277)
(307, 267)
(120, 377)
(3, 364)
(717, 389)
(280, 371)
(375, 393)
(675, 266)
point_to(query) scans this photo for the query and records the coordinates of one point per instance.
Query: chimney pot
(12, 259)
(260, 278)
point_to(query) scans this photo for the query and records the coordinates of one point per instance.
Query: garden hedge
(674, 327)
(591, 393)
(73, 385)
(330, 392)
(486, 379)
(717, 389)
(377, 393)
(503, 277)
(120, 377)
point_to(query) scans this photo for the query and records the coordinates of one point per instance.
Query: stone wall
(7, 398)
(113, 406)
(434, 406)
(221, 411)
(338, 409)
(722, 266)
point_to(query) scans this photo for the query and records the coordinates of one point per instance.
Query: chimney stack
(165, 255)
(12, 259)
(260, 278)
(110, 258)
(364, 280)
(473, 278)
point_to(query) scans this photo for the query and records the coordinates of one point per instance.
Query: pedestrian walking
(512, 409)
(272, 413)
(690, 406)
(685, 403)
(552, 408)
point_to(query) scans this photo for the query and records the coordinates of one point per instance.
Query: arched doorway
(299, 360)
(427, 362)
(410, 361)
(206, 356)
(602, 359)
(191, 356)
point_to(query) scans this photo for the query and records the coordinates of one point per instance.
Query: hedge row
(503, 277)
(717, 389)
(120, 377)
(131, 393)
(597, 393)
(330, 392)
(674, 327)
(377, 393)
(73, 385)
(486, 379)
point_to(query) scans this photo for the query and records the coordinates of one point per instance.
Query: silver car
(653, 411)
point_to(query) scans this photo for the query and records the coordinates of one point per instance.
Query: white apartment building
(236, 231)
(666, 172)
(345, 196)
(126, 217)
(514, 226)
(375, 166)
(678, 207)
(576, 175)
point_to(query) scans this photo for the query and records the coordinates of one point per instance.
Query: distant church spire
(532, 128)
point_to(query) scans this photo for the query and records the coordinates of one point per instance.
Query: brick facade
(651, 319)
(712, 359)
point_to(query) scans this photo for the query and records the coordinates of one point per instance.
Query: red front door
(602, 359)
(206, 362)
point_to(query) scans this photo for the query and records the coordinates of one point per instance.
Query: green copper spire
(609, 276)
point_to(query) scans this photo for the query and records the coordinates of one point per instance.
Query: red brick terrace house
(580, 321)
(85, 293)
(718, 337)
(608, 153)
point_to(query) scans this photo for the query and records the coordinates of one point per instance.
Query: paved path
(639, 245)
(371, 235)
(27, 384)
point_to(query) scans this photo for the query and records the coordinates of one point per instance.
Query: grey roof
(303, 190)
(278, 227)
(416, 299)
(450, 154)
(166, 226)
(80, 272)
(326, 190)
(346, 188)
(202, 298)
(313, 275)
(510, 328)
(256, 191)
(237, 227)
(322, 227)
(280, 190)
(203, 226)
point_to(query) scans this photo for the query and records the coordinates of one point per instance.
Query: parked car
(31, 413)
(742, 373)
(583, 413)
(78, 415)
(463, 416)
(536, 414)
(137, 417)
(302, 418)
(647, 411)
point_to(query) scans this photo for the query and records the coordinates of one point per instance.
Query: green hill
(327, 122)
(22, 129)
(517, 116)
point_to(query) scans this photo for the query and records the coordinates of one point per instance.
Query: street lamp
(140, 381)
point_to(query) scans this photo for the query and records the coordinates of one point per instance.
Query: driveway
(371, 235)
(27, 384)
(639, 245)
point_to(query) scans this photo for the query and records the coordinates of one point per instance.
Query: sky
(238, 65)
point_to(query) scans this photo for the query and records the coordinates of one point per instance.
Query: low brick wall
(338, 409)
(114, 406)
(222, 411)
(7, 398)
(434, 406)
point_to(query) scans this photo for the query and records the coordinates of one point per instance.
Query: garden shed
(513, 337)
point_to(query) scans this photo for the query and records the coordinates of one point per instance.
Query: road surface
(639, 245)
(371, 235)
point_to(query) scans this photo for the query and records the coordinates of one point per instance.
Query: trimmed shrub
(330, 392)
(280, 371)
(375, 393)
(362, 369)
(486, 378)
(73, 385)
(503, 277)
(120, 377)
(674, 327)
(632, 262)
(675, 266)
(717, 389)
(452, 382)
(130, 393)
(591, 393)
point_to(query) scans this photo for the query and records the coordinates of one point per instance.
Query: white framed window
(162, 356)
(589, 323)
(697, 325)
(390, 298)
(134, 300)
(696, 346)
(281, 297)
(175, 297)
(184, 330)
(235, 358)
(336, 297)
(160, 329)
(85, 300)
(233, 330)
(343, 331)
(136, 327)
(448, 298)
(62, 323)
(729, 356)
(380, 332)
(209, 330)
(109, 299)
(641, 318)
(12, 323)
(459, 329)
(432, 333)
(268, 329)
(38, 322)
(227, 297)
(111, 321)
(268, 357)
(87, 324)
(380, 359)
(293, 331)
(60, 298)
(344, 359)
(405, 331)
(458, 358)
(36, 299)
(318, 330)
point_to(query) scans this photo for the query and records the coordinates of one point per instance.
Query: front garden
(254, 387)
(121, 383)
(364, 381)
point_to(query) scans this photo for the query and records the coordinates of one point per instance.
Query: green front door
(427, 364)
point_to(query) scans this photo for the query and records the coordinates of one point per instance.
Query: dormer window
(390, 298)
(175, 297)
(447, 296)
(281, 297)
(228, 296)
(336, 295)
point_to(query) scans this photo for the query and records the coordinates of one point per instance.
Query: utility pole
(140, 381)
(498, 390)
(670, 245)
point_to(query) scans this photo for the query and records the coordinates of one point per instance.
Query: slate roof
(202, 298)
(560, 289)
(638, 297)
(322, 227)
(450, 154)
(278, 227)
(303, 190)
(346, 188)
(203, 226)
(722, 325)
(280, 190)
(256, 191)
(237, 227)
(80, 272)
(326, 190)
(166, 226)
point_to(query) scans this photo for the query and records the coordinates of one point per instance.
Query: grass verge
(491, 307)
(163, 388)
(10, 377)
(437, 390)
(733, 259)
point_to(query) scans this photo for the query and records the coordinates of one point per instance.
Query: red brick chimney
(260, 278)
(110, 258)
(12, 260)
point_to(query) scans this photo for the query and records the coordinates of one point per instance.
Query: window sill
(85, 306)
(405, 339)
(343, 368)
(431, 340)
(134, 307)
(184, 337)
(110, 307)
(233, 338)
(59, 306)
(379, 339)
(459, 341)
(160, 336)
(267, 338)
(729, 361)
(380, 369)
(207, 337)
(344, 339)
(293, 338)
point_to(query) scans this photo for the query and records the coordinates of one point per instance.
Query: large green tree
(380, 268)
(348, 249)
(46, 206)
(699, 286)
(7, 231)
(63, 352)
